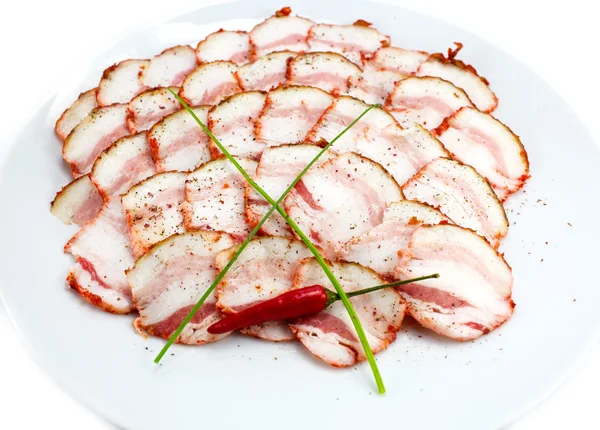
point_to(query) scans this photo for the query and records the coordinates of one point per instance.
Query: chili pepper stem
(275, 206)
(391, 284)
(333, 297)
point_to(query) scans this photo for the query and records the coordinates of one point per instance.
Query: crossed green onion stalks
(275, 206)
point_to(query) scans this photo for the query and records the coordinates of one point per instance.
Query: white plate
(431, 382)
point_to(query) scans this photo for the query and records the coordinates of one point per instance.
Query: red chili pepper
(292, 304)
(289, 305)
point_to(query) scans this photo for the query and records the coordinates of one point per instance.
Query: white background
(41, 40)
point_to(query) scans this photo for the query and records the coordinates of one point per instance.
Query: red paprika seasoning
(293, 304)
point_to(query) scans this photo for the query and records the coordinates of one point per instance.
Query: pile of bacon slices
(415, 187)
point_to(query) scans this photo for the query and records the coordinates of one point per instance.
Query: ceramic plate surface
(431, 382)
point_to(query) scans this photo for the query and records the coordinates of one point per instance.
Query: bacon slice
(210, 83)
(224, 45)
(169, 68)
(232, 122)
(96, 132)
(326, 70)
(355, 42)
(275, 331)
(290, 113)
(480, 140)
(263, 271)
(277, 168)
(462, 75)
(78, 202)
(425, 101)
(473, 294)
(377, 136)
(149, 107)
(416, 145)
(280, 33)
(168, 281)
(75, 113)
(121, 82)
(266, 73)
(330, 335)
(374, 86)
(102, 254)
(378, 249)
(341, 199)
(214, 195)
(396, 59)
(461, 194)
(340, 114)
(125, 163)
(178, 142)
(153, 210)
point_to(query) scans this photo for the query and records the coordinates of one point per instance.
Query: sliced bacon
(463, 76)
(178, 142)
(78, 202)
(480, 140)
(153, 210)
(355, 42)
(102, 254)
(425, 101)
(277, 168)
(232, 122)
(377, 136)
(75, 113)
(330, 334)
(374, 86)
(329, 71)
(121, 82)
(341, 199)
(149, 107)
(224, 45)
(266, 73)
(290, 113)
(462, 195)
(471, 297)
(280, 33)
(214, 195)
(417, 146)
(378, 249)
(275, 331)
(168, 281)
(398, 60)
(169, 68)
(210, 83)
(125, 163)
(263, 271)
(96, 132)
(340, 115)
